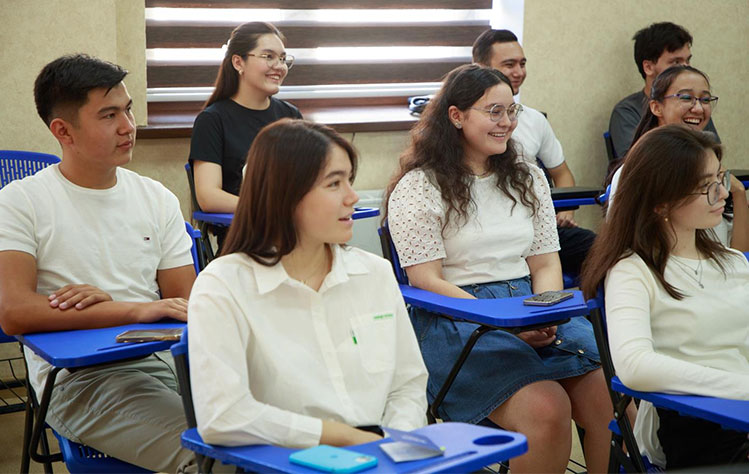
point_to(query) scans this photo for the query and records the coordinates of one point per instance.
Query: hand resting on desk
(78, 296)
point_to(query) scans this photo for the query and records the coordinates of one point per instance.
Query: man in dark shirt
(657, 47)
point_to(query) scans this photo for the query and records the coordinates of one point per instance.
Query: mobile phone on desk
(548, 298)
(148, 335)
(331, 459)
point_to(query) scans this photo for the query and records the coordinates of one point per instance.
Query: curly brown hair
(437, 147)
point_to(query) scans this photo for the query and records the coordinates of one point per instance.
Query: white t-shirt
(697, 345)
(534, 138)
(491, 246)
(270, 358)
(723, 230)
(114, 239)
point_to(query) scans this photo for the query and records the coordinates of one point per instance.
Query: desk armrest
(499, 313)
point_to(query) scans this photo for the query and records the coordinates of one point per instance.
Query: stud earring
(665, 219)
(458, 125)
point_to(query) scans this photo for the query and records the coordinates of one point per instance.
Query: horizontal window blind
(344, 49)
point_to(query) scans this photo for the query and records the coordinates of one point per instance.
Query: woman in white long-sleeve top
(296, 340)
(676, 298)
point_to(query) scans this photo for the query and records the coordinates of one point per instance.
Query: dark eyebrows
(114, 108)
(335, 174)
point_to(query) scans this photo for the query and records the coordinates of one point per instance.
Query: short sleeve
(17, 216)
(207, 142)
(545, 236)
(176, 245)
(550, 151)
(415, 217)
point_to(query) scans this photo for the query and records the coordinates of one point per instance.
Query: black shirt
(224, 131)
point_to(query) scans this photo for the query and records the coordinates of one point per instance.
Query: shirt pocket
(375, 339)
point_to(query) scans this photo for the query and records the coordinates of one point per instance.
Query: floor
(11, 424)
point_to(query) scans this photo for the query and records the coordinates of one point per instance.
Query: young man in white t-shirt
(535, 140)
(87, 244)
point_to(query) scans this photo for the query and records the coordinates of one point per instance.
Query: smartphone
(548, 298)
(331, 459)
(147, 335)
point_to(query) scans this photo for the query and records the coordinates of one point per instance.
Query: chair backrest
(604, 198)
(388, 251)
(609, 146)
(198, 256)
(19, 164)
(191, 183)
(182, 364)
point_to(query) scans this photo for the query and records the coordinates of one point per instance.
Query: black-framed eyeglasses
(713, 189)
(497, 111)
(272, 59)
(688, 100)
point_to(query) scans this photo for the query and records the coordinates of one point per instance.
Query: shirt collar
(345, 263)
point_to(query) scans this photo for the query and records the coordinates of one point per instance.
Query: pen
(353, 337)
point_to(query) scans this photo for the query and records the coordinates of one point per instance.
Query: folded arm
(23, 310)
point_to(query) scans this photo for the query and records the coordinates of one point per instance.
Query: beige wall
(34, 32)
(580, 65)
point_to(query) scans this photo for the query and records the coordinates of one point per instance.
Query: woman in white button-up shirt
(296, 340)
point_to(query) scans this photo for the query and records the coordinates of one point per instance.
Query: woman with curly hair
(471, 220)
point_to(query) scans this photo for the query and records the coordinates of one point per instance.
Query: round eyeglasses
(497, 111)
(713, 189)
(688, 100)
(272, 59)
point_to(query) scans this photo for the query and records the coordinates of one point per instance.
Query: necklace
(693, 273)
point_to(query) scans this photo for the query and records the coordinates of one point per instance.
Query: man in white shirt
(86, 244)
(535, 140)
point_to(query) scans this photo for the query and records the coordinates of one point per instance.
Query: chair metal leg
(28, 426)
(39, 423)
(477, 333)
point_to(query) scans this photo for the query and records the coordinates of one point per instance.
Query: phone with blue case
(331, 459)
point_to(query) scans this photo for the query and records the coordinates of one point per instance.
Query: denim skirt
(500, 363)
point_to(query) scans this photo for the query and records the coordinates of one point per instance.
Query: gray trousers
(129, 410)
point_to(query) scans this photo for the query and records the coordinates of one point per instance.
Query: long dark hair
(437, 147)
(660, 86)
(661, 171)
(242, 40)
(283, 164)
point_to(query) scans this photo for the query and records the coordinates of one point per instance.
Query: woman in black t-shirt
(254, 66)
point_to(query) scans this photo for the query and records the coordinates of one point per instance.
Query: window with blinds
(348, 52)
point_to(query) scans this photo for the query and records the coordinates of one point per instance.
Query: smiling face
(672, 111)
(481, 137)
(323, 216)
(695, 212)
(255, 73)
(509, 59)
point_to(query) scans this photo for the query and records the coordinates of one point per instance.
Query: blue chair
(732, 414)
(16, 165)
(467, 447)
(609, 146)
(199, 259)
(203, 226)
(19, 164)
